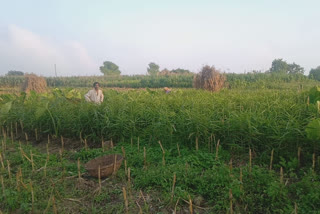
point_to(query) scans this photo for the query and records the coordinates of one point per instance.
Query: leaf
(314, 94)
(313, 130)
(6, 108)
(39, 112)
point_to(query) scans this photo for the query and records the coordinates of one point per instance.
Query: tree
(180, 71)
(153, 68)
(15, 73)
(109, 68)
(315, 73)
(281, 66)
(295, 69)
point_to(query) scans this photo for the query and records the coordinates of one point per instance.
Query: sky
(232, 35)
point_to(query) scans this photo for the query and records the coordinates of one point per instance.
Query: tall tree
(15, 73)
(281, 66)
(315, 73)
(109, 68)
(295, 69)
(153, 68)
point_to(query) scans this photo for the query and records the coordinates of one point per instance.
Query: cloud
(27, 51)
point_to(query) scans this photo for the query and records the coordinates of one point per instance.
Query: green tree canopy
(281, 66)
(315, 73)
(180, 71)
(153, 68)
(15, 73)
(109, 68)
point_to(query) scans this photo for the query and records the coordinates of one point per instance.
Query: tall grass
(241, 119)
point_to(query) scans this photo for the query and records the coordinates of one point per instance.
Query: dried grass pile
(34, 83)
(209, 79)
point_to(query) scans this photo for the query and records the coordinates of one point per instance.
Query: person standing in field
(95, 95)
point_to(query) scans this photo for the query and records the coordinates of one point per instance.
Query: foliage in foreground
(50, 182)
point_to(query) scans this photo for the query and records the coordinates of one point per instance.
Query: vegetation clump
(34, 83)
(209, 79)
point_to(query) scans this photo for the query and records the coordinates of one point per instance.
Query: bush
(209, 79)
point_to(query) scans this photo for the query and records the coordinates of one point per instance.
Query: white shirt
(94, 96)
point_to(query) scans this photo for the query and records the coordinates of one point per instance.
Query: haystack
(209, 79)
(34, 83)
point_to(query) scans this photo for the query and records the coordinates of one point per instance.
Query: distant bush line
(247, 80)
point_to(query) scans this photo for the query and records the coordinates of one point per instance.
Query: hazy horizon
(233, 36)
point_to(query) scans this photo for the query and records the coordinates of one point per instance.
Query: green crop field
(251, 148)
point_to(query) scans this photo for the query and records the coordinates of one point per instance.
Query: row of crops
(242, 151)
(249, 80)
(240, 119)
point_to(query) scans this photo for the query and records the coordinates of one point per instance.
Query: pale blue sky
(235, 36)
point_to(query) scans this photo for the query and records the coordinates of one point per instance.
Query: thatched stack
(209, 79)
(34, 83)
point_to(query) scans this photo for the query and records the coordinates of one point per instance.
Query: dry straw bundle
(209, 79)
(34, 83)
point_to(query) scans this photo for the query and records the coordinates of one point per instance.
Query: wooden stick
(20, 174)
(114, 164)
(178, 149)
(138, 144)
(163, 154)
(16, 129)
(281, 175)
(112, 144)
(125, 160)
(26, 136)
(21, 124)
(125, 199)
(173, 185)
(250, 160)
(144, 158)
(102, 145)
(60, 153)
(79, 174)
(18, 181)
(313, 162)
(175, 207)
(32, 163)
(131, 142)
(4, 146)
(299, 156)
(217, 150)
(295, 208)
(9, 170)
(99, 177)
(11, 136)
(62, 145)
(1, 160)
(2, 184)
(197, 144)
(36, 134)
(241, 182)
(190, 205)
(24, 155)
(85, 144)
(271, 160)
(48, 153)
(144, 199)
(129, 179)
(230, 166)
(54, 205)
(45, 169)
(140, 210)
(32, 196)
(230, 198)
